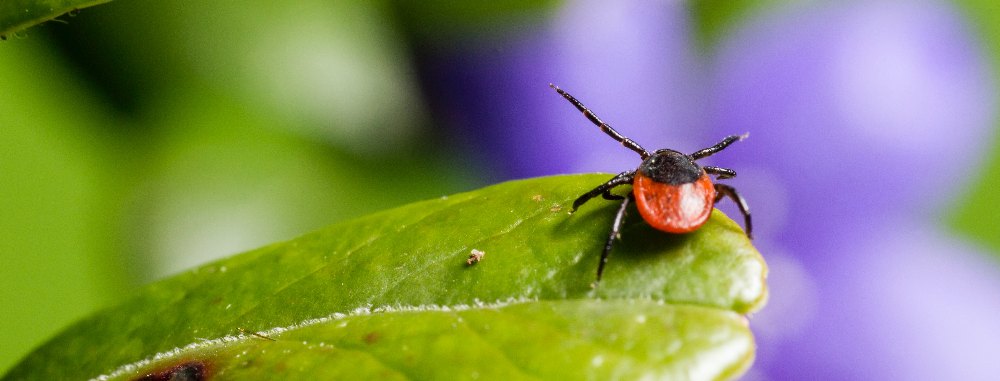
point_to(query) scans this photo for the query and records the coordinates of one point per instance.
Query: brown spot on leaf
(372, 337)
(188, 371)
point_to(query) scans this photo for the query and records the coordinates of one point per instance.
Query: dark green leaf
(451, 22)
(16, 15)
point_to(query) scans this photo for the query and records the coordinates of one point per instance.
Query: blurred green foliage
(56, 198)
(977, 214)
(714, 18)
(148, 136)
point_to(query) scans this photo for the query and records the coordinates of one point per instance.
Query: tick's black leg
(718, 146)
(728, 191)
(607, 195)
(722, 173)
(628, 143)
(615, 229)
(619, 179)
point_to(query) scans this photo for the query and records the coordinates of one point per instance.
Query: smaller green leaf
(553, 340)
(390, 295)
(17, 15)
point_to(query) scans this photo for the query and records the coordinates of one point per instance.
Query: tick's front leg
(619, 179)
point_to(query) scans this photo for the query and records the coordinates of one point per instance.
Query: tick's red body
(681, 208)
(671, 191)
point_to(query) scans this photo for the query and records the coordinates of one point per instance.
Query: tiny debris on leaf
(257, 334)
(474, 257)
(537, 198)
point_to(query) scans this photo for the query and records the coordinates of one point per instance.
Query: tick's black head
(670, 167)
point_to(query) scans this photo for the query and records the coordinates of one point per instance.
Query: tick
(671, 191)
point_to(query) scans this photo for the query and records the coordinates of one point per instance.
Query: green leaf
(390, 295)
(714, 19)
(16, 15)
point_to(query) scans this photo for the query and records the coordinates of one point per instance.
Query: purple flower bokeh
(867, 119)
(864, 119)
(639, 79)
(914, 304)
(865, 111)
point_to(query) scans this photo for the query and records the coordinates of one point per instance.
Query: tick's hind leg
(615, 231)
(728, 191)
(605, 189)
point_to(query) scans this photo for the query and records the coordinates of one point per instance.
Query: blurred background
(140, 138)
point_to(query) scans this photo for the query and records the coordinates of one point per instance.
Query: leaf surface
(391, 295)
